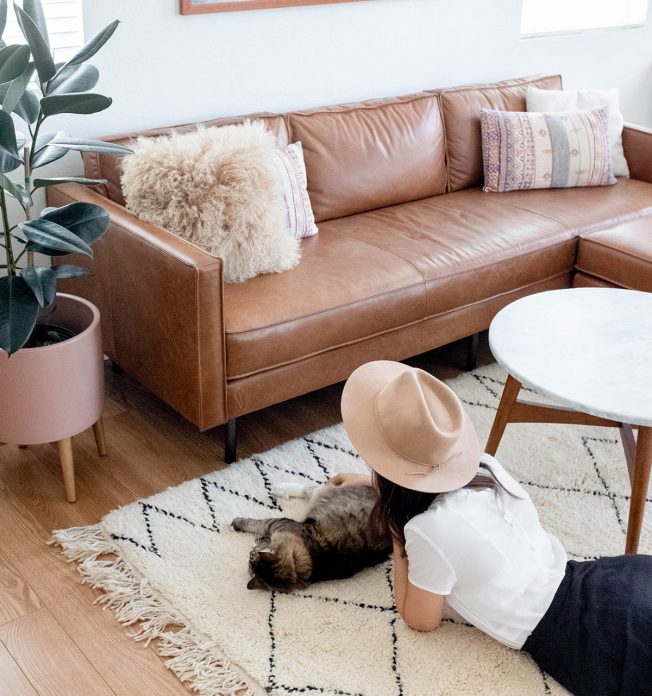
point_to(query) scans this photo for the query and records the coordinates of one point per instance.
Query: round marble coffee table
(590, 351)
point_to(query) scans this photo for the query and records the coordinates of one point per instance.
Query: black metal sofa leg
(229, 441)
(472, 343)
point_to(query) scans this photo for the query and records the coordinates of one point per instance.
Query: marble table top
(587, 348)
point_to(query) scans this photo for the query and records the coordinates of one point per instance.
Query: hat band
(433, 467)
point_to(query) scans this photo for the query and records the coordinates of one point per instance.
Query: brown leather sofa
(411, 254)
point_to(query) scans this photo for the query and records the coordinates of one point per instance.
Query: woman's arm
(421, 610)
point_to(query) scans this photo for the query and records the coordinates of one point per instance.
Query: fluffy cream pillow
(220, 189)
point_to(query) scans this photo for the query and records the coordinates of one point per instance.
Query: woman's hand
(349, 479)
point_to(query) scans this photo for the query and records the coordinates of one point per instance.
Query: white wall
(162, 68)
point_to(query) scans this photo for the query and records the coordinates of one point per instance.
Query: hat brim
(359, 416)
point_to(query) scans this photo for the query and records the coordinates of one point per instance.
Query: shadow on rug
(172, 567)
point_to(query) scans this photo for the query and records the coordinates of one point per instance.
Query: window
(64, 20)
(558, 16)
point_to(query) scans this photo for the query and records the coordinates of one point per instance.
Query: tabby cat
(335, 540)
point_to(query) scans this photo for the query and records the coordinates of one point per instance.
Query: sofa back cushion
(371, 154)
(461, 108)
(109, 167)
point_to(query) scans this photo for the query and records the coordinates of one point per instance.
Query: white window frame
(590, 15)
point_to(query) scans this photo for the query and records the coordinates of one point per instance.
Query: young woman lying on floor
(466, 532)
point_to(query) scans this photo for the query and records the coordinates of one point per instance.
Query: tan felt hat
(409, 427)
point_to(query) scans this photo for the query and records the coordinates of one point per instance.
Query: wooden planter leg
(229, 441)
(100, 441)
(68, 467)
(510, 393)
(640, 485)
(472, 343)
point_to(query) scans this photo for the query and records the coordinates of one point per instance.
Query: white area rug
(172, 566)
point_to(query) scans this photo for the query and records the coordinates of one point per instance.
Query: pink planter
(54, 392)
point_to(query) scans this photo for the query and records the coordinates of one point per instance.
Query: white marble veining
(587, 348)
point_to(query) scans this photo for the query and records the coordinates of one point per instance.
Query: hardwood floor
(53, 640)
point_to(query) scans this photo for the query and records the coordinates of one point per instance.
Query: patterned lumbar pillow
(220, 189)
(545, 150)
(582, 99)
(301, 220)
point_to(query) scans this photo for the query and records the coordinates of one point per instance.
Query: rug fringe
(195, 659)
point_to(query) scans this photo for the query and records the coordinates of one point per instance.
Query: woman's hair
(397, 505)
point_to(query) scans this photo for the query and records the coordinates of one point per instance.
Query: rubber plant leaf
(43, 60)
(9, 157)
(94, 45)
(13, 61)
(3, 16)
(68, 270)
(84, 103)
(42, 282)
(46, 237)
(86, 220)
(75, 78)
(86, 145)
(28, 107)
(45, 152)
(17, 89)
(42, 183)
(34, 9)
(16, 191)
(18, 313)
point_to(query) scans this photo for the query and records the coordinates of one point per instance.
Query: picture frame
(190, 7)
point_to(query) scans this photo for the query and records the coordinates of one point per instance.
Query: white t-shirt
(490, 555)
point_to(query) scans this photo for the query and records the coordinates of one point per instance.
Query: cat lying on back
(335, 540)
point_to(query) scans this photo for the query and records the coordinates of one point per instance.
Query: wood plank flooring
(53, 640)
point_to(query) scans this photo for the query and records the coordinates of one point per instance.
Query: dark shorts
(596, 637)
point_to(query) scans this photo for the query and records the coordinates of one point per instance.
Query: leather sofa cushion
(368, 274)
(98, 166)
(620, 255)
(467, 246)
(342, 290)
(371, 154)
(580, 210)
(460, 107)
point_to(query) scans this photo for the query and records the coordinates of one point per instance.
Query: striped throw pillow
(545, 149)
(301, 221)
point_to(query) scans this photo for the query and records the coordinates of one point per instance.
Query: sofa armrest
(161, 303)
(637, 143)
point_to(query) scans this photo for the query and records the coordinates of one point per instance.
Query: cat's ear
(256, 584)
(267, 552)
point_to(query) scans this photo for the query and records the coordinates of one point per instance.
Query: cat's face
(281, 564)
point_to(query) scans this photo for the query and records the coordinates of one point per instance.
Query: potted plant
(51, 367)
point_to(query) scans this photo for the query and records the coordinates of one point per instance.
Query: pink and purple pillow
(301, 220)
(536, 150)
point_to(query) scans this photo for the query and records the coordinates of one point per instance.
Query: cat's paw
(239, 524)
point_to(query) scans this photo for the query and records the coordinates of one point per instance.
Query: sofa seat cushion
(368, 274)
(581, 210)
(620, 255)
(467, 246)
(344, 290)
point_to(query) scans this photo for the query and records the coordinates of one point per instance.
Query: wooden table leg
(639, 488)
(68, 467)
(100, 441)
(508, 399)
